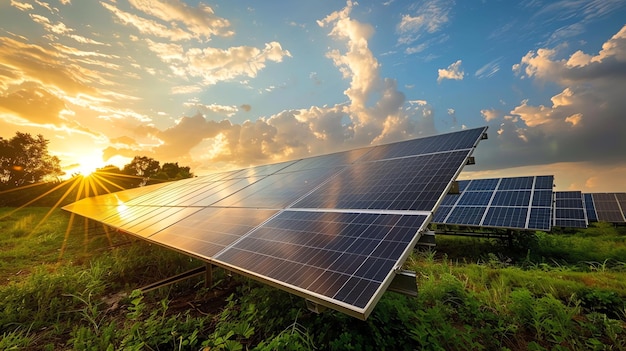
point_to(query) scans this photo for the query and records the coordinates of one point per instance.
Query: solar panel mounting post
(208, 276)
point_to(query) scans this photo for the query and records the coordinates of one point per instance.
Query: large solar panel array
(606, 207)
(333, 229)
(515, 203)
(569, 210)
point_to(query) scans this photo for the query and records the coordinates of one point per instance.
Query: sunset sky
(227, 84)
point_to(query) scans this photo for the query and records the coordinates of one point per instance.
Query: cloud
(429, 16)
(148, 27)
(489, 69)
(21, 5)
(61, 29)
(582, 122)
(608, 65)
(201, 21)
(420, 28)
(587, 10)
(213, 65)
(33, 104)
(213, 109)
(375, 111)
(453, 71)
(490, 115)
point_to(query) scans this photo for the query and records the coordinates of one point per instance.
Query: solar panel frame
(399, 182)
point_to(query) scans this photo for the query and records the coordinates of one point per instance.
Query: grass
(76, 289)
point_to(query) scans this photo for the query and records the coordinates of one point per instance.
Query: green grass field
(72, 285)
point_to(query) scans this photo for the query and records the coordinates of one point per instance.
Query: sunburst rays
(71, 190)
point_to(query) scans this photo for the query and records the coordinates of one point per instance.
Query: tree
(25, 160)
(174, 171)
(143, 167)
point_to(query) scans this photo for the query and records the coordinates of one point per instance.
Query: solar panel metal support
(454, 188)
(470, 161)
(427, 239)
(315, 307)
(484, 136)
(405, 282)
(174, 279)
(208, 276)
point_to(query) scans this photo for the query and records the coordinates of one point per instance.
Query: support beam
(174, 279)
(208, 276)
(405, 282)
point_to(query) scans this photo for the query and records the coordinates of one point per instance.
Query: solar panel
(569, 210)
(609, 207)
(515, 203)
(590, 209)
(332, 228)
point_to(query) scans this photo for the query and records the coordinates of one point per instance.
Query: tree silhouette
(24, 159)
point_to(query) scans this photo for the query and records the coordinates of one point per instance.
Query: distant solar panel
(332, 228)
(590, 209)
(515, 203)
(606, 207)
(569, 209)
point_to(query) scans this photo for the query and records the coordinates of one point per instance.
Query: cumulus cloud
(375, 112)
(453, 71)
(582, 122)
(490, 114)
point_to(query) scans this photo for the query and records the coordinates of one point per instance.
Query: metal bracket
(427, 239)
(314, 306)
(179, 277)
(405, 282)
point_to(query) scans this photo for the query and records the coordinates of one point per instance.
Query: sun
(88, 165)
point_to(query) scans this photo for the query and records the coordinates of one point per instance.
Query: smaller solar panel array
(525, 203)
(569, 209)
(516, 203)
(606, 207)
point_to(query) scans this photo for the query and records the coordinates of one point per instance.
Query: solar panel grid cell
(467, 215)
(441, 214)
(507, 217)
(540, 218)
(483, 184)
(511, 198)
(542, 198)
(475, 198)
(569, 210)
(607, 208)
(544, 182)
(516, 183)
